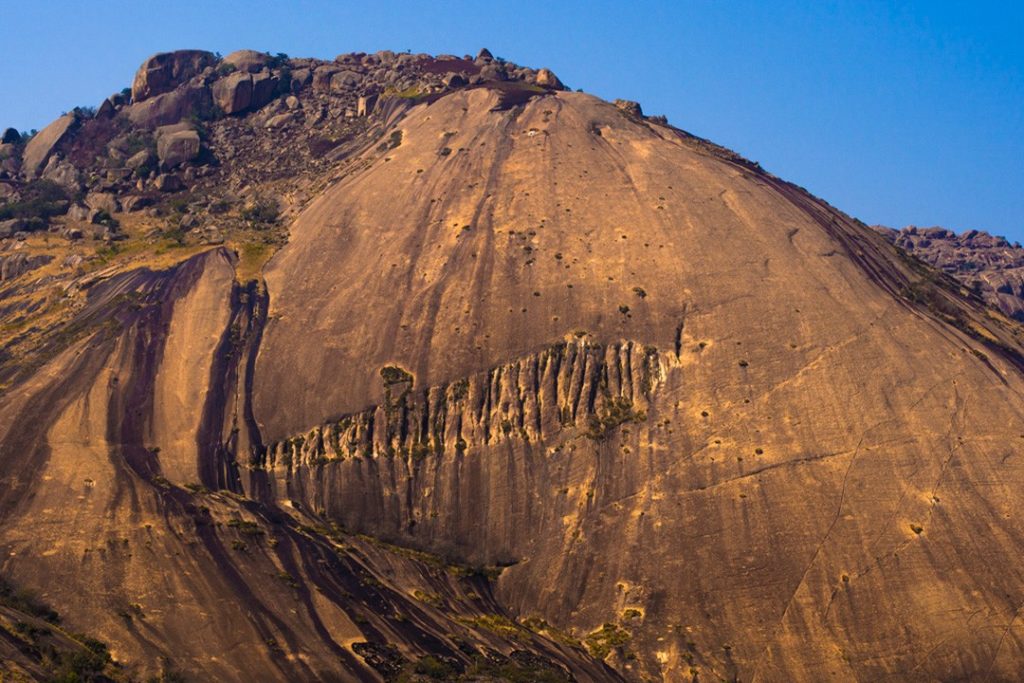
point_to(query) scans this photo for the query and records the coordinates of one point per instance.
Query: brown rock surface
(528, 388)
(41, 146)
(165, 71)
(176, 146)
(247, 60)
(233, 93)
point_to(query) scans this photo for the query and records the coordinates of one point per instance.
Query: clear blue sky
(896, 113)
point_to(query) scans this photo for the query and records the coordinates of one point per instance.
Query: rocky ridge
(987, 264)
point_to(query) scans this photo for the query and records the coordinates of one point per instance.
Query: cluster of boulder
(991, 265)
(173, 127)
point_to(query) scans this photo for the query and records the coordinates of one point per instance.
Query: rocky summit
(402, 367)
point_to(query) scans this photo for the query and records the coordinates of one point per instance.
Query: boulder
(168, 182)
(249, 61)
(78, 212)
(212, 235)
(300, 79)
(280, 120)
(43, 144)
(107, 109)
(546, 78)
(493, 72)
(10, 137)
(630, 107)
(483, 57)
(63, 173)
(344, 80)
(322, 78)
(175, 146)
(164, 72)
(139, 160)
(454, 80)
(193, 100)
(263, 87)
(102, 201)
(13, 265)
(233, 93)
(9, 227)
(135, 203)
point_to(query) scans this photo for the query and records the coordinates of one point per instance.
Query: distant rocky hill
(990, 265)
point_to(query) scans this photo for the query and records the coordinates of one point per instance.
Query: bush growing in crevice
(616, 411)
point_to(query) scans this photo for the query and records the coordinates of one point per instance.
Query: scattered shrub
(40, 199)
(261, 213)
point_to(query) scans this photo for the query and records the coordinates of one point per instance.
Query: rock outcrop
(985, 263)
(165, 71)
(176, 145)
(249, 61)
(42, 145)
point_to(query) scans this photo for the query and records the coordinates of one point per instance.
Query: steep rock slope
(831, 427)
(537, 389)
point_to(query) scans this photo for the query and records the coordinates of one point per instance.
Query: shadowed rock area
(411, 368)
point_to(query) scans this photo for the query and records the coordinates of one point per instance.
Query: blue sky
(896, 113)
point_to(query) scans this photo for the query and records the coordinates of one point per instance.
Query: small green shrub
(262, 213)
(392, 374)
(609, 637)
(615, 412)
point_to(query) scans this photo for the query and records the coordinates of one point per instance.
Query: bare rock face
(547, 79)
(249, 61)
(171, 107)
(233, 93)
(241, 91)
(43, 143)
(176, 147)
(165, 71)
(427, 372)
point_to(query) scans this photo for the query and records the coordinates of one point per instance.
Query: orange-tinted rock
(165, 71)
